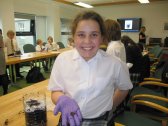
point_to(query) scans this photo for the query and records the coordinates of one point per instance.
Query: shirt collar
(98, 55)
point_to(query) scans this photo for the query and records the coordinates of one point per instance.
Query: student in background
(115, 46)
(70, 43)
(51, 45)
(3, 75)
(41, 48)
(133, 59)
(142, 36)
(81, 89)
(12, 48)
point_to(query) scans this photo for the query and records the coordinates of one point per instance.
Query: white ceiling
(97, 1)
(103, 2)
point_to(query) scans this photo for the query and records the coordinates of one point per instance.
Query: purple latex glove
(70, 111)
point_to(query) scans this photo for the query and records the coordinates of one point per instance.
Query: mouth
(87, 48)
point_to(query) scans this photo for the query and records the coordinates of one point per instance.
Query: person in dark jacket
(133, 58)
(142, 36)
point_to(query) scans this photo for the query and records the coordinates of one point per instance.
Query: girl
(84, 92)
(51, 45)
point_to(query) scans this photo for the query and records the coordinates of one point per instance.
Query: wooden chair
(143, 104)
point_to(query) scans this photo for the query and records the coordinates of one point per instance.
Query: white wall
(50, 9)
(7, 16)
(42, 8)
(153, 15)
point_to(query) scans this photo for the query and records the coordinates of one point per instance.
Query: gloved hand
(70, 111)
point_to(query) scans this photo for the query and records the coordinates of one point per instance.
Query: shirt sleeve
(56, 80)
(123, 81)
(38, 49)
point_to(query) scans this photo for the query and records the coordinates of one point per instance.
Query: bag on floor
(34, 75)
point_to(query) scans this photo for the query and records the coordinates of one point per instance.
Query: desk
(27, 57)
(33, 56)
(11, 106)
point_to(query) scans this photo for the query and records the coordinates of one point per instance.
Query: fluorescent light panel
(143, 1)
(83, 5)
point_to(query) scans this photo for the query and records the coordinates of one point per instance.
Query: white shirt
(90, 83)
(117, 48)
(9, 46)
(53, 46)
(39, 48)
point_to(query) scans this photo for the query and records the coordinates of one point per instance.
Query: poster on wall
(128, 24)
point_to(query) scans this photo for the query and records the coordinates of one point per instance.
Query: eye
(80, 35)
(94, 35)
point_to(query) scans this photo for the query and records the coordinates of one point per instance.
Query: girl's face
(50, 40)
(87, 38)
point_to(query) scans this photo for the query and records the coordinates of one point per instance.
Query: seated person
(70, 43)
(12, 48)
(41, 48)
(51, 45)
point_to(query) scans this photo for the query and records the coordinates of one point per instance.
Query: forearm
(119, 96)
(55, 96)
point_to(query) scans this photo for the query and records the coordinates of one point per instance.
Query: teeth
(89, 48)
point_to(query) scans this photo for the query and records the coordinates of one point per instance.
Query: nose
(87, 39)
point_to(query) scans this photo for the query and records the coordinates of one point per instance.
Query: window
(25, 29)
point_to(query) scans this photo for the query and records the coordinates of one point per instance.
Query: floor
(21, 83)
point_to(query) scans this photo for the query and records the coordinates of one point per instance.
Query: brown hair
(88, 15)
(10, 32)
(49, 37)
(113, 30)
(39, 41)
(126, 40)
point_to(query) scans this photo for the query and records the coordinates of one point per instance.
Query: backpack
(34, 75)
(165, 73)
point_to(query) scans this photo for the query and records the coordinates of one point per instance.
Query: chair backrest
(158, 52)
(155, 41)
(61, 45)
(153, 50)
(29, 48)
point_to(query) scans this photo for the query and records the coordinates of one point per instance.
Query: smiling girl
(83, 79)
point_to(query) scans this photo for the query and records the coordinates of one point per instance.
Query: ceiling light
(83, 5)
(143, 1)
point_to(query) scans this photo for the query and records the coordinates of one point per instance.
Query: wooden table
(33, 56)
(11, 106)
(27, 57)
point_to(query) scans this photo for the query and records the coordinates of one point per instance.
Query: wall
(6, 16)
(42, 8)
(153, 15)
(50, 9)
